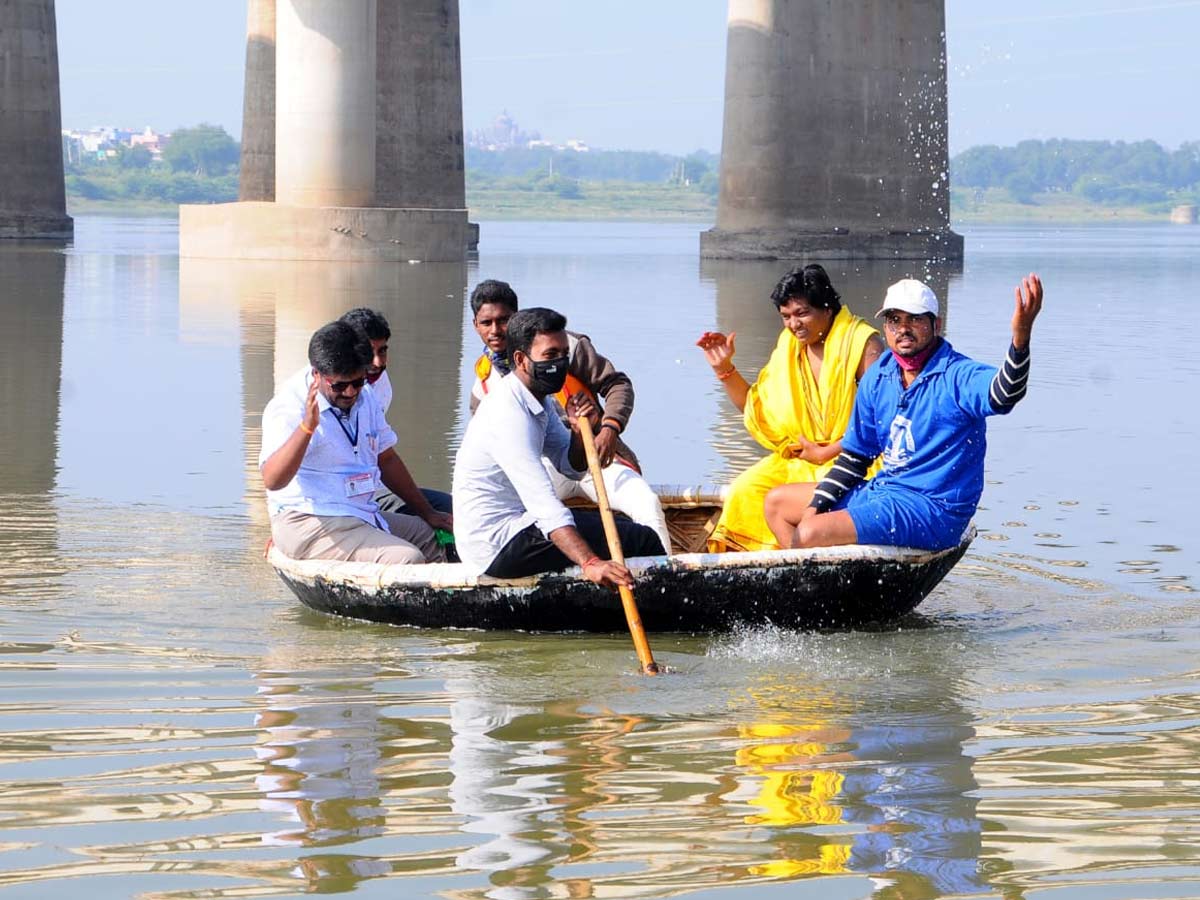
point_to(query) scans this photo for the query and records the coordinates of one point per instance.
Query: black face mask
(548, 376)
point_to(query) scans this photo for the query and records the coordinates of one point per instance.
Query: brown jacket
(595, 373)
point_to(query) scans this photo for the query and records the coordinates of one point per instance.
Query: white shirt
(383, 390)
(500, 486)
(340, 470)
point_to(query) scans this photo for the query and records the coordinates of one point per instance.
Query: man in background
(374, 327)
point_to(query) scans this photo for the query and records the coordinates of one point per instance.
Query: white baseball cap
(910, 296)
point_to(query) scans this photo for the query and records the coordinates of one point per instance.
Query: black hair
(528, 324)
(810, 283)
(493, 291)
(370, 322)
(339, 349)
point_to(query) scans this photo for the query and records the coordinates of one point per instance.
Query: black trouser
(531, 552)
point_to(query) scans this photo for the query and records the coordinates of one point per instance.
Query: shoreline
(625, 209)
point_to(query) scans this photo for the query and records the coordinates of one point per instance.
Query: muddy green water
(173, 724)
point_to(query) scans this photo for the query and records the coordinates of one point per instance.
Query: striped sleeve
(848, 470)
(1010, 383)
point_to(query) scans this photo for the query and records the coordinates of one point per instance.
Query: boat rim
(458, 575)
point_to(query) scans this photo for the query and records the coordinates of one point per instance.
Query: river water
(174, 724)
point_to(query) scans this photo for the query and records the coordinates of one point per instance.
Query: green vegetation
(567, 199)
(199, 165)
(996, 206)
(542, 183)
(1104, 173)
(1044, 181)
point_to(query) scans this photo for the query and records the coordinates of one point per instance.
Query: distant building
(151, 140)
(502, 134)
(104, 142)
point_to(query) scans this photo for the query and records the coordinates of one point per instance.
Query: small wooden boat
(831, 587)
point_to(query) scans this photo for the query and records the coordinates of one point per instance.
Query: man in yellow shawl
(800, 405)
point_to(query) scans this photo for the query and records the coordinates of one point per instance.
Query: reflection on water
(173, 724)
(31, 330)
(280, 304)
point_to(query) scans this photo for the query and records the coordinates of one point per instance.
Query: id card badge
(356, 485)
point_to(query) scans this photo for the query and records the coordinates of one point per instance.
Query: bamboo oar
(640, 644)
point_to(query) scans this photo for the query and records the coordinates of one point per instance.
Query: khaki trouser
(305, 536)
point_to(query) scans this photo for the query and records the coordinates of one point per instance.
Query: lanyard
(352, 438)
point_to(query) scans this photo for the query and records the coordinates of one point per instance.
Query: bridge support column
(325, 103)
(835, 128)
(257, 176)
(366, 143)
(419, 143)
(33, 200)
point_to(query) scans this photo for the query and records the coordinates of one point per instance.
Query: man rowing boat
(511, 523)
(493, 304)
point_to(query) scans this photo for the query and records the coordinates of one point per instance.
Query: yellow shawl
(786, 402)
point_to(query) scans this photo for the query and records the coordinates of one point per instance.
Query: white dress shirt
(340, 470)
(500, 486)
(383, 390)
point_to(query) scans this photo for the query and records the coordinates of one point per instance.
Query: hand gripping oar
(640, 644)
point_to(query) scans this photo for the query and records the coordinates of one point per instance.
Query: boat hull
(838, 587)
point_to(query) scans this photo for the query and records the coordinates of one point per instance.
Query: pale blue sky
(650, 74)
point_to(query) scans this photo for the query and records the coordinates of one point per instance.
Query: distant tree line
(1109, 172)
(561, 171)
(198, 165)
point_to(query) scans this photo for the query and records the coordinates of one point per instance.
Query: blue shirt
(933, 436)
(340, 470)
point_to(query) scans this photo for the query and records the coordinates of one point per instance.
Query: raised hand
(718, 350)
(1029, 304)
(312, 410)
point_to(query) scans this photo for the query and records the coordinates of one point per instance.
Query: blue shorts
(899, 517)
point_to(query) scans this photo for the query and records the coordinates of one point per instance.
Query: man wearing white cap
(923, 407)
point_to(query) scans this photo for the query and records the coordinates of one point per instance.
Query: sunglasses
(340, 387)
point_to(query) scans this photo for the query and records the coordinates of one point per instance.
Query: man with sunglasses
(325, 449)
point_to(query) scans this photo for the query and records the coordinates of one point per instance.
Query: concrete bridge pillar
(352, 139)
(835, 128)
(419, 144)
(325, 103)
(32, 195)
(257, 176)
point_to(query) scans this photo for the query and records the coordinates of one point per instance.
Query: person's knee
(831, 529)
(776, 504)
(806, 534)
(646, 541)
(400, 555)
